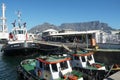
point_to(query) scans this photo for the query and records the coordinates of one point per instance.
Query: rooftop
(82, 53)
(53, 59)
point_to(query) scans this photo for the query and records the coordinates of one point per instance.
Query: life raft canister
(10, 36)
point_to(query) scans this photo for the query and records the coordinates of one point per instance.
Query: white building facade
(99, 35)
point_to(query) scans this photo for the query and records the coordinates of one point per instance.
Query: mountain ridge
(78, 26)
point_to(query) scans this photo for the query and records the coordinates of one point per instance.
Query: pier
(115, 76)
(73, 45)
(70, 45)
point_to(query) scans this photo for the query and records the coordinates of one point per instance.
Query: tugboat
(20, 42)
(48, 68)
(4, 35)
(84, 61)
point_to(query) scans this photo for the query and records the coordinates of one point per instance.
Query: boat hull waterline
(20, 49)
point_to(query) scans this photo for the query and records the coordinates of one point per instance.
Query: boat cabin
(56, 68)
(19, 34)
(48, 68)
(85, 59)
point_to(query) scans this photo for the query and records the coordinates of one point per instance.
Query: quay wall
(109, 46)
(107, 57)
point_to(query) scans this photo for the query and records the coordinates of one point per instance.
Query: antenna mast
(19, 20)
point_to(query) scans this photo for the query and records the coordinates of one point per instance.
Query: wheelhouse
(54, 67)
(49, 68)
(19, 33)
(85, 59)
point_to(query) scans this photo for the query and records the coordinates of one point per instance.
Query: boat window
(20, 31)
(89, 57)
(46, 67)
(14, 32)
(76, 58)
(54, 67)
(64, 65)
(24, 32)
(83, 58)
(41, 65)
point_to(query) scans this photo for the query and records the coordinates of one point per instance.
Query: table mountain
(81, 26)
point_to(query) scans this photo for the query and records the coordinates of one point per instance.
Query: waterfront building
(69, 35)
(46, 35)
(115, 32)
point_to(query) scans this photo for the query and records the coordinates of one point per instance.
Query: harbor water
(8, 66)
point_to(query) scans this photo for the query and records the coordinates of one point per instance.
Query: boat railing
(109, 71)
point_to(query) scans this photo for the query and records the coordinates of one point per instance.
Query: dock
(105, 50)
(79, 45)
(115, 76)
(70, 45)
(50, 43)
(54, 44)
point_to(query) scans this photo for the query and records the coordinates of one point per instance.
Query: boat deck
(29, 65)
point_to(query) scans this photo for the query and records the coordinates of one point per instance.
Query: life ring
(39, 73)
(46, 75)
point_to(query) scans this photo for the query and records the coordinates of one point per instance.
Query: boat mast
(19, 20)
(3, 18)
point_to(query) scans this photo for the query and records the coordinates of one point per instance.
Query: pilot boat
(20, 42)
(48, 68)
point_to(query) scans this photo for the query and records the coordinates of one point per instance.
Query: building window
(50, 32)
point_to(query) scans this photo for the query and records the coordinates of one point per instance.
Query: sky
(37, 12)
